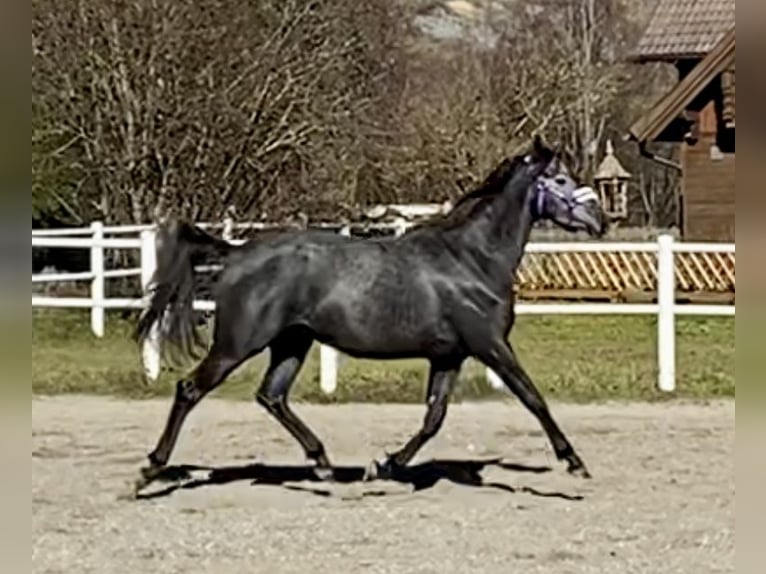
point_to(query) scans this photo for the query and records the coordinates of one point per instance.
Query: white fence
(95, 239)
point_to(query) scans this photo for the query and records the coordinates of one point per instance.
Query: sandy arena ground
(661, 499)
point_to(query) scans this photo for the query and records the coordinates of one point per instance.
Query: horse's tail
(180, 246)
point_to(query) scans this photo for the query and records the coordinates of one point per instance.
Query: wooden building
(698, 113)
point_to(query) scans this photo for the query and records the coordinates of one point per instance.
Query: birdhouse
(611, 180)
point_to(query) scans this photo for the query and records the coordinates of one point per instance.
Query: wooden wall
(708, 185)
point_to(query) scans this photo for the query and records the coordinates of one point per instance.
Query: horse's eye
(560, 180)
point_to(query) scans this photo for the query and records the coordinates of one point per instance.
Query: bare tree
(159, 105)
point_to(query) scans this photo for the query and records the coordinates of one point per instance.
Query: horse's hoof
(379, 470)
(371, 472)
(324, 473)
(146, 476)
(577, 468)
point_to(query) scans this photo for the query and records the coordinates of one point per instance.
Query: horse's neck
(512, 226)
(497, 238)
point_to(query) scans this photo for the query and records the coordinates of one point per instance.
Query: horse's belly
(384, 315)
(386, 336)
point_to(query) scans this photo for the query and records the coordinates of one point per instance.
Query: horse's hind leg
(210, 373)
(287, 355)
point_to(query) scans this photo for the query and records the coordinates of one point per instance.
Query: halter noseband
(578, 196)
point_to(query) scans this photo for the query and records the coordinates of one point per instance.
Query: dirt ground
(661, 498)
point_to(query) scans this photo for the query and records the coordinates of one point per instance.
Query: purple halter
(578, 196)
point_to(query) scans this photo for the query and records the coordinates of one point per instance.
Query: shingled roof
(684, 29)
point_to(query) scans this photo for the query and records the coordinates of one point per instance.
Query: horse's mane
(466, 206)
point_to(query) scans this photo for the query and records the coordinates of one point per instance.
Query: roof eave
(651, 124)
(645, 58)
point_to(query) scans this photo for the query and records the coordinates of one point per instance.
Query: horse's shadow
(420, 476)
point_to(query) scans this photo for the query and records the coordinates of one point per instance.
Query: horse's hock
(700, 277)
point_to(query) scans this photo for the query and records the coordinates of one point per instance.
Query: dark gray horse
(441, 291)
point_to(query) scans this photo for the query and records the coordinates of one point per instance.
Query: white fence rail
(666, 309)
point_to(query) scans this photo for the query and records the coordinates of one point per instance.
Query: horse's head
(559, 199)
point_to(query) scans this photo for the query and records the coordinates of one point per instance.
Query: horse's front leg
(500, 357)
(441, 381)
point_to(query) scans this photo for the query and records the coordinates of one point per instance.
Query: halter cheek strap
(538, 202)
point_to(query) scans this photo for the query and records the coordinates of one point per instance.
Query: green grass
(570, 358)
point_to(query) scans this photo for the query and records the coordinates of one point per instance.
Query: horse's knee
(187, 391)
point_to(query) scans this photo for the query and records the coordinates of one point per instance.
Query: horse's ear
(540, 151)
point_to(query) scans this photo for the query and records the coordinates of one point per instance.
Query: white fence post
(97, 292)
(400, 226)
(494, 380)
(666, 301)
(328, 369)
(150, 353)
(228, 228)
